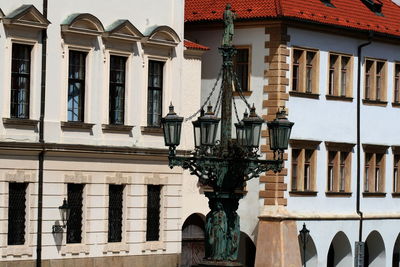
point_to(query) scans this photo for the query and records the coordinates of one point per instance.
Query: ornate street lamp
(64, 210)
(279, 132)
(304, 236)
(172, 125)
(225, 165)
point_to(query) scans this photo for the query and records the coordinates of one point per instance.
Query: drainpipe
(359, 212)
(41, 141)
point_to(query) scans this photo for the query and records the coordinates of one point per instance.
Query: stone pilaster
(277, 242)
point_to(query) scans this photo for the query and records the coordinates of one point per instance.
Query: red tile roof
(347, 13)
(192, 45)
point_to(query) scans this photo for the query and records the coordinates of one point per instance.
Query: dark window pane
(115, 213)
(74, 223)
(16, 213)
(117, 89)
(76, 85)
(20, 81)
(154, 98)
(242, 68)
(153, 212)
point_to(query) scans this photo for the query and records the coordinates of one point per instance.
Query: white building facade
(312, 70)
(81, 116)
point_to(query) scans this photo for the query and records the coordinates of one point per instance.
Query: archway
(247, 250)
(374, 255)
(396, 253)
(192, 240)
(339, 254)
(311, 256)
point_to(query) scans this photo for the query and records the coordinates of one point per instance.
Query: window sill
(338, 194)
(245, 93)
(396, 194)
(374, 194)
(17, 251)
(152, 130)
(339, 98)
(370, 102)
(74, 249)
(154, 245)
(303, 193)
(304, 94)
(116, 247)
(118, 128)
(15, 122)
(76, 125)
(396, 104)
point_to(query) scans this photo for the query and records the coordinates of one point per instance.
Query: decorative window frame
(349, 83)
(83, 247)
(19, 176)
(374, 150)
(301, 92)
(24, 26)
(249, 70)
(153, 246)
(123, 246)
(339, 148)
(373, 100)
(304, 145)
(120, 39)
(88, 29)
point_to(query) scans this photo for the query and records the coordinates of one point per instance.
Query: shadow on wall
(339, 254)
(247, 250)
(396, 253)
(374, 250)
(311, 256)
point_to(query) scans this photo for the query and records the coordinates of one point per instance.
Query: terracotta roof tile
(347, 13)
(192, 45)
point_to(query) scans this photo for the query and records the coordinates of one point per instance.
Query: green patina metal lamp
(224, 165)
(279, 131)
(172, 126)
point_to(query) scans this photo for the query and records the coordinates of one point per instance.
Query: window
(374, 170)
(20, 80)
(115, 194)
(339, 167)
(74, 223)
(396, 95)
(153, 212)
(76, 85)
(396, 182)
(241, 67)
(16, 213)
(375, 80)
(155, 91)
(339, 75)
(303, 170)
(304, 71)
(117, 89)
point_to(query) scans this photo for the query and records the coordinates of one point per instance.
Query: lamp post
(224, 166)
(304, 235)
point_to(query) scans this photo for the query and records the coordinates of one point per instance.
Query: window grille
(76, 85)
(20, 81)
(331, 165)
(16, 213)
(117, 89)
(153, 212)
(115, 213)
(74, 223)
(154, 98)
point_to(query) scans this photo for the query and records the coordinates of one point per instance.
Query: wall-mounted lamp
(64, 212)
